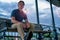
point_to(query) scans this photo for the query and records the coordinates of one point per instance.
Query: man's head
(21, 4)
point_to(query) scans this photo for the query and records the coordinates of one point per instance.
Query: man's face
(20, 5)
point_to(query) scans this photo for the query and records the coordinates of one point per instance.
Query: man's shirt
(19, 16)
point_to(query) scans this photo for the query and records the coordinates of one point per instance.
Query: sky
(6, 7)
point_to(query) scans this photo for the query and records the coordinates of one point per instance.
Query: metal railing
(5, 29)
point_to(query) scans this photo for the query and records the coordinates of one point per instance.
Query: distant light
(43, 5)
(25, 10)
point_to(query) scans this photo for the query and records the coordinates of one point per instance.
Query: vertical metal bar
(4, 35)
(37, 11)
(40, 36)
(50, 34)
(53, 22)
(4, 31)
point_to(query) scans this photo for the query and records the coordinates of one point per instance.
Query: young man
(17, 18)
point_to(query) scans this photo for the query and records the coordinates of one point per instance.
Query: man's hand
(28, 25)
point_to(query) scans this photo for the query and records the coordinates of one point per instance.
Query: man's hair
(22, 2)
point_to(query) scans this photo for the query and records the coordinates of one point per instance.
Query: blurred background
(44, 11)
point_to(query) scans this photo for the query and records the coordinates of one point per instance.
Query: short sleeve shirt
(19, 16)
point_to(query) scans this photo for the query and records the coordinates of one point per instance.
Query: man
(19, 20)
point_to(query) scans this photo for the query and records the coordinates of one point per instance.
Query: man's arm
(13, 14)
(13, 20)
(27, 23)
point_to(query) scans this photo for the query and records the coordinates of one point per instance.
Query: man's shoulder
(15, 10)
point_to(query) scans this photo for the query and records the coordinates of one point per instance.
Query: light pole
(53, 22)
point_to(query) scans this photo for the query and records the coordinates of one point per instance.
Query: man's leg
(19, 29)
(31, 29)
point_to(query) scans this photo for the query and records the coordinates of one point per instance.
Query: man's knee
(32, 27)
(15, 25)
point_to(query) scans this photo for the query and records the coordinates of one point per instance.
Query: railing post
(53, 22)
(40, 35)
